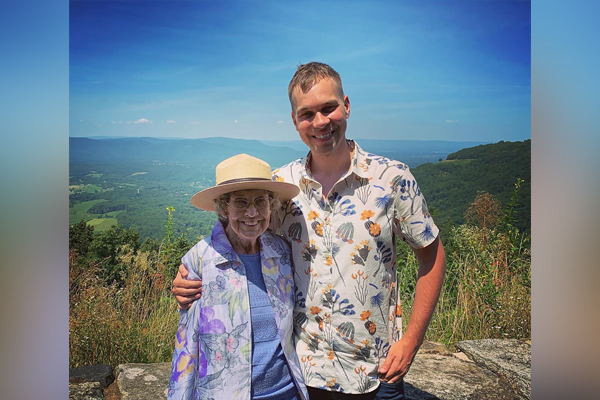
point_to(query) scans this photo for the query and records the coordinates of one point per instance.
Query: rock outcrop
(433, 376)
(89, 382)
(85, 391)
(509, 359)
(143, 381)
(483, 369)
(103, 374)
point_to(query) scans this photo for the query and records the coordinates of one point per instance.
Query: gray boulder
(143, 381)
(85, 391)
(510, 359)
(103, 374)
(445, 377)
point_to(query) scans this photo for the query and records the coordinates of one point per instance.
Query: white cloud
(128, 122)
(143, 121)
(170, 121)
(280, 122)
(451, 120)
(235, 121)
(113, 122)
(195, 122)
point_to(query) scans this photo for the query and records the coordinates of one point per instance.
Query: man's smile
(325, 135)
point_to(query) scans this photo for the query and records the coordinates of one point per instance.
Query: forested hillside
(451, 185)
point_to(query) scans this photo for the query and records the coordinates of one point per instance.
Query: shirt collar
(360, 162)
(222, 251)
(358, 165)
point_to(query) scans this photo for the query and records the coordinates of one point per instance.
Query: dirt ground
(112, 392)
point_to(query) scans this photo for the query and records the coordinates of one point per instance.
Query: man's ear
(347, 106)
(294, 120)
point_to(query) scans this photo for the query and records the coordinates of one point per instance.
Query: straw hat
(242, 172)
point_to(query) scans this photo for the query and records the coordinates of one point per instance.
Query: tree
(109, 245)
(509, 221)
(484, 211)
(80, 237)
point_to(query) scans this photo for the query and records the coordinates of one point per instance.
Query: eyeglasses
(242, 204)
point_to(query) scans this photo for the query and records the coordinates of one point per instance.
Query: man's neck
(327, 169)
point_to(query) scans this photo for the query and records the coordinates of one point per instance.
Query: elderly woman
(236, 341)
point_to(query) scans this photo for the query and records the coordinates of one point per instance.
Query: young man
(342, 228)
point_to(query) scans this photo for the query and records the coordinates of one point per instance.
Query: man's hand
(398, 361)
(185, 291)
(432, 267)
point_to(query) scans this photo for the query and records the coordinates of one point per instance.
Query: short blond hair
(307, 75)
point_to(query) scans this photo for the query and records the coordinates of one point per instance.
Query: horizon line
(290, 141)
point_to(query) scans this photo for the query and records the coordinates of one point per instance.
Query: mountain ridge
(451, 186)
(212, 150)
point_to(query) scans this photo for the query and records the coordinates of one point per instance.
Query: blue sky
(427, 70)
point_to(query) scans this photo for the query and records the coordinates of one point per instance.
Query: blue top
(271, 378)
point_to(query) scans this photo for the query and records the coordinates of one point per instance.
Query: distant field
(94, 175)
(138, 173)
(79, 211)
(102, 224)
(85, 188)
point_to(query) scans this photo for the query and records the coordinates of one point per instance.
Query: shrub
(111, 324)
(120, 306)
(487, 288)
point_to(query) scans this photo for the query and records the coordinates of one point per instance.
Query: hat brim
(204, 198)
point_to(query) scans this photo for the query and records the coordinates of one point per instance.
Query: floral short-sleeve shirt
(347, 310)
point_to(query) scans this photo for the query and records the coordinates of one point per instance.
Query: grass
(79, 211)
(102, 224)
(114, 325)
(487, 288)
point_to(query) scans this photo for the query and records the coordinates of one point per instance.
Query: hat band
(243, 180)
